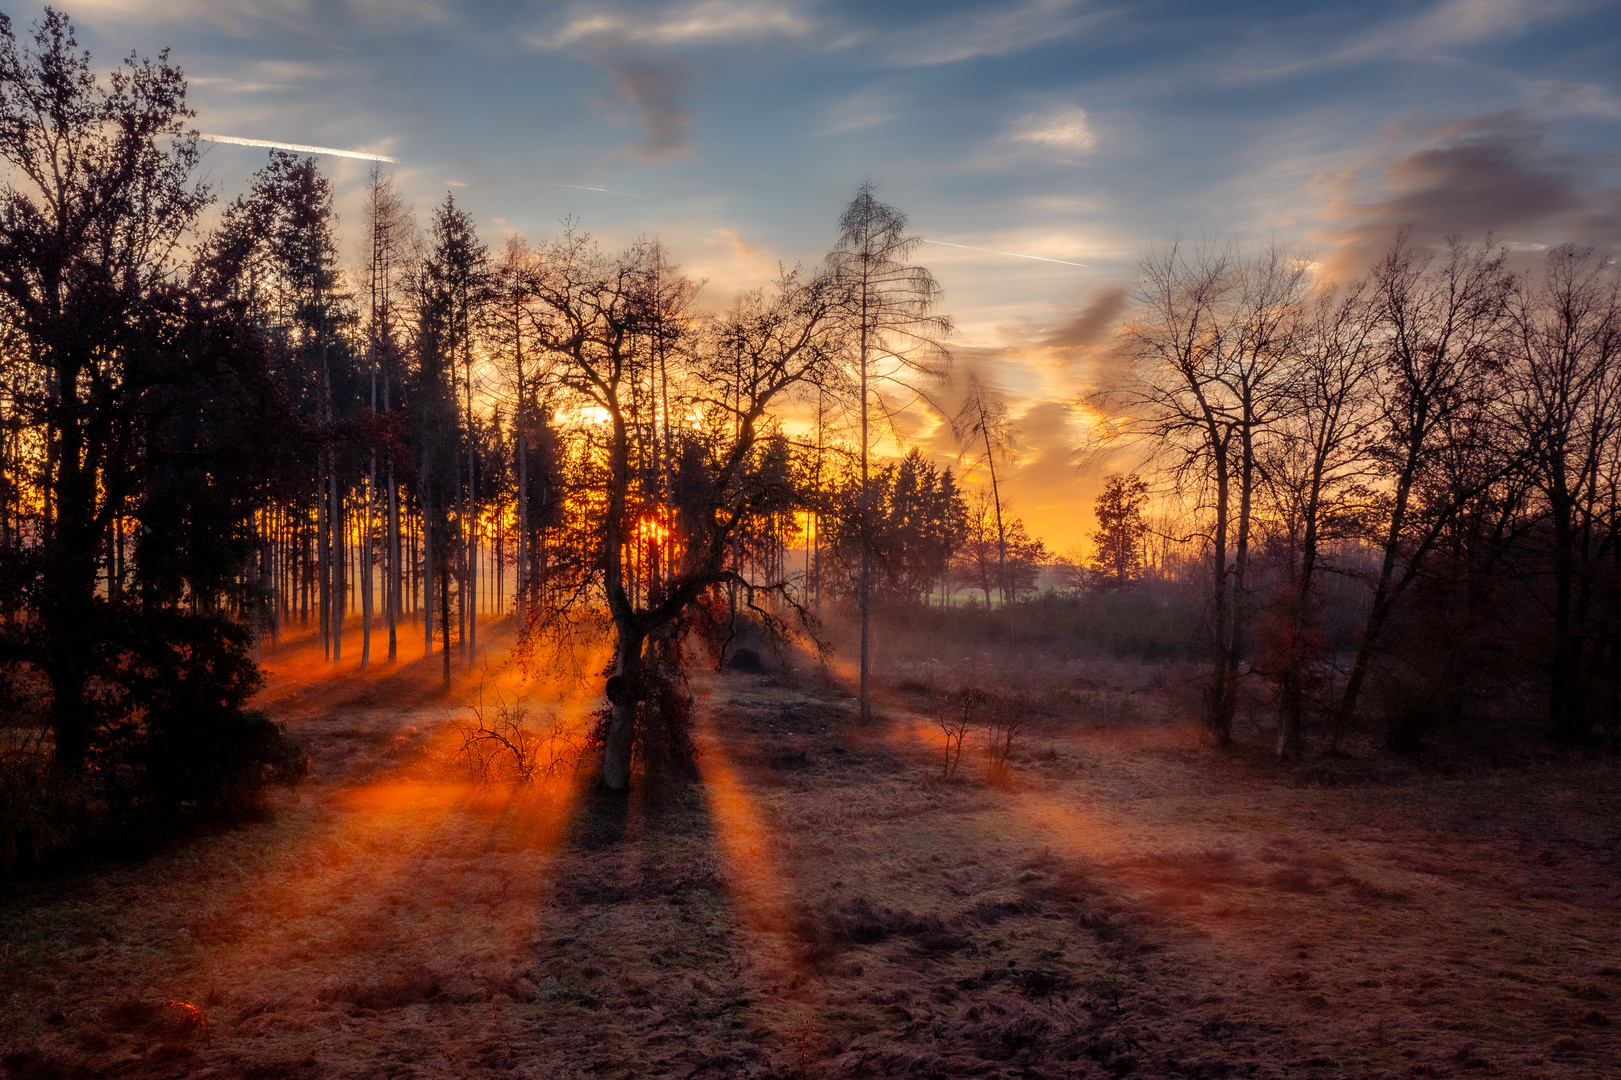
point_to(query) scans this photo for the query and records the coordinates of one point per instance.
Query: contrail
(297, 148)
(644, 198)
(605, 191)
(1015, 254)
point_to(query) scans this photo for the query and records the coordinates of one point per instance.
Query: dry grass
(823, 904)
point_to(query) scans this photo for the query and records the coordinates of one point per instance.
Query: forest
(587, 633)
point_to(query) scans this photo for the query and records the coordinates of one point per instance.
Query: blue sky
(1075, 131)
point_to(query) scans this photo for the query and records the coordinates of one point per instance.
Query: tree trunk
(392, 587)
(1220, 700)
(521, 571)
(338, 561)
(424, 504)
(472, 542)
(866, 539)
(625, 696)
(365, 570)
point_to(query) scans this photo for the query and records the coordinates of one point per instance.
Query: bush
(174, 730)
(172, 739)
(39, 810)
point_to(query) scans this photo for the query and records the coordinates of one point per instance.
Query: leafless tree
(597, 319)
(389, 230)
(1316, 465)
(1566, 348)
(1440, 320)
(888, 307)
(1209, 371)
(983, 420)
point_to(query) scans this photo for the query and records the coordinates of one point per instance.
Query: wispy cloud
(859, 112)
(994, 30)
(1063, 129)
(264, 76)
(1452, 23)
(1438, 29)
(705, 23)
(1579, 99)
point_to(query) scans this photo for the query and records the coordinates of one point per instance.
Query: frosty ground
(824, 902)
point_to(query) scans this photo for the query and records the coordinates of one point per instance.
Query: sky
(1066, 130)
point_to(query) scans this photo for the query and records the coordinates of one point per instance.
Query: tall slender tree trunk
(339, 561)
(521, 571)
(444, 619)
(424, 505)
(1384, 595)
(472, 528)
(1218, 715)
(392, 586)
(866, 537)
(323, 567)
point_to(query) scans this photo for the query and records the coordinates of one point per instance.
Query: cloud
(239, 16)
(992, 31)
(264, 76)
(1092, 324)
(655, 93)
(1439, 29)
(1463, 22)
(1579, 99)
(706, 23)
(860, 111)
(1497, 174)
(755, 264)
(1062, 129)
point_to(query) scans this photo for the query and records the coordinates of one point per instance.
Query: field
(1119, 900)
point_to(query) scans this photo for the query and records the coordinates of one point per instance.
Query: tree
(983, 418)
(512, 289)
(389, 233)
(674, 462)
(457, 270)
(449, 284)
(276, 249)
(1440, 322)
(144, 393)
(1565, 333)
(988, 550)
(918, 522)
(92, 213)
(888, 310)
(1121, 528)
(1209, 350)
(1315, 466)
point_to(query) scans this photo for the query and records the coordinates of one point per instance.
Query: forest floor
(1121, 902)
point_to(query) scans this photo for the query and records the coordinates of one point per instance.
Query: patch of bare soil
(1119, 902)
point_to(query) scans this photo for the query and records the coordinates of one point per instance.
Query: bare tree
(889, 312)
(983, 419)
(1209, 350)
(96, 197)
(1315, 466)
(1440, 321)
(512, 292)
(1566, 342)
(389, 231)
(597, 318)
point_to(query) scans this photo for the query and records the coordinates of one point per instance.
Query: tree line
(213, 437)
(1407, 485)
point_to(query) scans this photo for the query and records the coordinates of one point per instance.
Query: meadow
(1114, 898)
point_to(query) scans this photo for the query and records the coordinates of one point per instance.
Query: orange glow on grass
(745, 839)
(391, 865)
